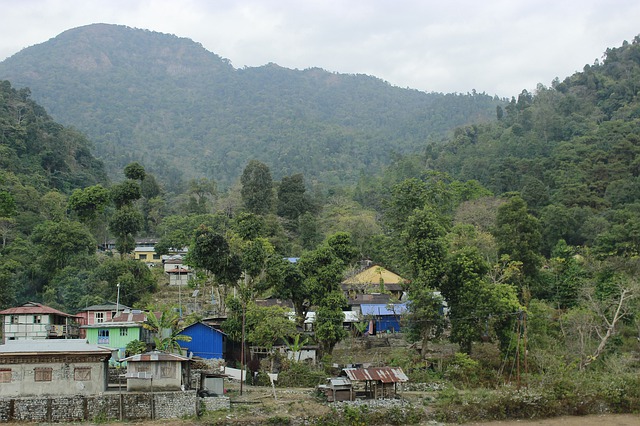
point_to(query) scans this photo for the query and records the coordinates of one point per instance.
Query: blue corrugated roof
(380, 309)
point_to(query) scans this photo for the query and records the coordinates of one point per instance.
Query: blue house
(206, 342)
(384, 317)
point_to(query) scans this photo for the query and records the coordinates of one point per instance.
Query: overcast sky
(495, 46)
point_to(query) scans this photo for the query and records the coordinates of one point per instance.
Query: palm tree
(166, 330)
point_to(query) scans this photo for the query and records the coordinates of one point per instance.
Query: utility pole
(118, 300)
(242, 350)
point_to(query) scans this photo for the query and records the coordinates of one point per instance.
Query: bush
(299, 374)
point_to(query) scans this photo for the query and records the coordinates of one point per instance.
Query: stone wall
(215, 403)
(135, 406)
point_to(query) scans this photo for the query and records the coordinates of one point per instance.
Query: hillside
(183, 111)
(572, 150)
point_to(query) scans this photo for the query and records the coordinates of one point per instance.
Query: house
(97, 314)
(120, 331)
(179, 276)
(376, 382)
(52, 367)
(147, 254)
(157, 371)
(36, 321)
(206, 341)
(374, 279)
(383, 317)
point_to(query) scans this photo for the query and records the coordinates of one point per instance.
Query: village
(62, 367)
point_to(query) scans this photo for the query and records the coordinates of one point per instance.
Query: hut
(379, 382)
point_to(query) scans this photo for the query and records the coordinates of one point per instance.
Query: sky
(499, 47)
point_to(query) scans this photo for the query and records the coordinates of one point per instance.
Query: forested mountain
(184, 112)
(38, 155)
(571, 150)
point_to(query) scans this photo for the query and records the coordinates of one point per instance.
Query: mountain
(185, 112)
(572, 150)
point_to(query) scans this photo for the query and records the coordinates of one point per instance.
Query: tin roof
(379, 309)
(383, 374)
(105, 307)
(50, 346)
(155, 356)
(31, 308)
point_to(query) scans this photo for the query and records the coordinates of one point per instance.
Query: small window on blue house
(103, 336)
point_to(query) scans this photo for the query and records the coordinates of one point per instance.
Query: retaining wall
(135, 406)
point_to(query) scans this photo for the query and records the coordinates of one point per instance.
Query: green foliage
(328, 322)
(134, 171)
(292, 201)
(135, 347)
(257, 187)
(166, 330)
(89, 202)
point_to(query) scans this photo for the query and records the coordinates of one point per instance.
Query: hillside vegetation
(528, 227)
(184, 112)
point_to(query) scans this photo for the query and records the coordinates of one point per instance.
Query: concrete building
(52, 367)
(156, 371)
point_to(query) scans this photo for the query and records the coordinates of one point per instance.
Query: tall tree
(518, 234)
(257, 187)
(292, 201)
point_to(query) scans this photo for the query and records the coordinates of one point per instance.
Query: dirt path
(598, 420)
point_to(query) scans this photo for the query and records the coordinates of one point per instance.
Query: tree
(288, 283)
(292, 202)
(166, 330)
(518, 234)
(125, 193)
(328, 323)
(87, 203)
(61, 242)
(125, 224)
(257, 187)
(134, 171)
(424, 250)
(135, 279)
(478, 309)
(211, 252)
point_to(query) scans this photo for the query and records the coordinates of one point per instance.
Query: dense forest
(184, 112)
(527, 226)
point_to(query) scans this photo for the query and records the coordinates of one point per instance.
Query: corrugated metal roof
(379, 309)
(105, 307)
(155, 356)
(383, 374)
(34, 308)
(25, 346)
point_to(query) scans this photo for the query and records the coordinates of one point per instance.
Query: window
(5, 375)
(37, 319)
(168, 370)
(99, 317)
(124, 332)
(14, 319)
(143, 257)
(82, 374)
(42, 374)
(103, 336)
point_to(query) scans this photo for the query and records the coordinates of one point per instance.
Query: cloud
(496, 46)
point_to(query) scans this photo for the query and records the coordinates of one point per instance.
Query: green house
(123, 328)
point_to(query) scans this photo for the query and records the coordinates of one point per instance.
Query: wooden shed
(377, 382)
